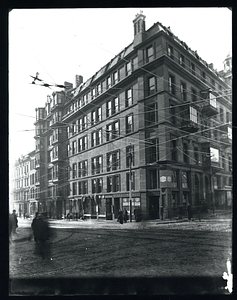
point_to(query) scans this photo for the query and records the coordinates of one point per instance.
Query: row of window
(25, 195)
(103, 86)
(185, 63)
(113, 162)
(113, 185)
(197, 157)
(112, 107)
(112, 132)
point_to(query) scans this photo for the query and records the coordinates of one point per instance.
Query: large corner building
(153, 125)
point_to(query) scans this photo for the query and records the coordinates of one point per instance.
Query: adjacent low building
(24, 188)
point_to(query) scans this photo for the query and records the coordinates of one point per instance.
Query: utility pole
(130, 181)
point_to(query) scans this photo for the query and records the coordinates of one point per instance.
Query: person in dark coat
(135, 214)
(35, 227)
(13, 221)
(120, 217)
(41, 233)
(125, 215)
(189, 211)
(162, 212)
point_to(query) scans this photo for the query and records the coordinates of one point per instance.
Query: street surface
(83, 249)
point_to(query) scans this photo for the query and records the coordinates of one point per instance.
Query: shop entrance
(116, 207)
(154, 207)
(109, 209)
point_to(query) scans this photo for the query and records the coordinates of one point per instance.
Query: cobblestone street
(82, 249)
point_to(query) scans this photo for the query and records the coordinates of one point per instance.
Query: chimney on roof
(79, 80)
(68, 85)
(139, 28)
(211, 66)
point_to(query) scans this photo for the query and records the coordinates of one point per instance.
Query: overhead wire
(163, 79)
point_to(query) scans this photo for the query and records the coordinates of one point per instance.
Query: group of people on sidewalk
(123, 216)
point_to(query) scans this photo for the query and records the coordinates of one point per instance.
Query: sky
(60, 43)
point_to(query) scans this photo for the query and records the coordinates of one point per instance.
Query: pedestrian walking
(135, 214)
(125, 215)
(120, 217)
(162, 212)
(189, 211)
(13, 222)
(41, 232)
(35, 227)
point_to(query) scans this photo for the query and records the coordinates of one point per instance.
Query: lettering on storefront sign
(163, 179)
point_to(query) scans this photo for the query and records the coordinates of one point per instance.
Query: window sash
(129, 99)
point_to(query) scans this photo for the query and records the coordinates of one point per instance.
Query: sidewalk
(24, 230)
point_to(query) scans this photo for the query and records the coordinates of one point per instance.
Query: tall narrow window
(109, 108)
(115, 77)
(193, 68)
(172, 84)
(153, 150)
(116, 129)
(130, 155)
(128, 68)
(153, 179)
(93, 93)
(109, 184)
(152, 114)
(128, 97)
(74, 170)
(74, 147)
(181, 60)
(109, 132)
(193, 114)
(193, 95)
(108, 81)
(116, 105)
(174, 150)
(149, 54)
(170, 51)
(228, 118)
(183, 91)
(221, 114)
(93, 117)
(204, 76)
(93, 139)
(129, 123)
(151, 85)
(98, 89)
(99, 114)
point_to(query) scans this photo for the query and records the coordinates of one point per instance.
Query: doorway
(108, 208)
(154, 207)
(116, 207)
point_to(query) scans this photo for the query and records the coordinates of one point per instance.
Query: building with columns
(152, 127)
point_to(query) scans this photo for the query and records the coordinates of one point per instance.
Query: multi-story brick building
(157, 114)
(24, 189)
